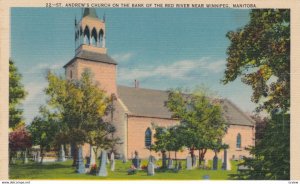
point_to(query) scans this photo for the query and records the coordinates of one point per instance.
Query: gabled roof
(92, 56)
(151, 103)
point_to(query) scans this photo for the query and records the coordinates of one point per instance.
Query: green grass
(64, 170)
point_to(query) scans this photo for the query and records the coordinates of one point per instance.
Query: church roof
(151, 103)
(90, 12)
(92, 56)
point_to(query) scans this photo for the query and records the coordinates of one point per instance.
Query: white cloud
(123, 56)
(178, 70)
(46, 66)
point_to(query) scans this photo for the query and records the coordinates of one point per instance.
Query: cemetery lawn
(64, 170)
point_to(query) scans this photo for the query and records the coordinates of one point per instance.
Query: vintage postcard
(149, 91)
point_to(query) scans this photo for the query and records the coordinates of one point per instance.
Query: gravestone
(179, 165)
(112, 162)
(124, 160)
(62, 156)
(92, 156)
(153, 160)
(80, 162)
(170, 163)
(188, 162)
(194, 161)
(25, 157)
(215, 163)
(224, 163)
(136, 161)
(150, 169)
(38, 156)
(102, 170)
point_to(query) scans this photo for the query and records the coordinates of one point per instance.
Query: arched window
(80, 36)
(238, 140)
(94, 37)
(101, 34)
(148, 135)
(71, 74)
(86, 34)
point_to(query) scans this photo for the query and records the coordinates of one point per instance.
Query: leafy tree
(272, 153)
(260, 126)
(82, 106)
(260, 53)
(201, 119)
(16, 94)
(175, 142)
(19, 140)
(43, 129)
(162, 138)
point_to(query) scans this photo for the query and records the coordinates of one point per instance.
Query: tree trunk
(74, 155)
(164, 160)
(42, 155)
(192, 155)
(202, 153)
(176, 159)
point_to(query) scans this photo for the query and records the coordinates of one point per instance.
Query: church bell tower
(91, 53)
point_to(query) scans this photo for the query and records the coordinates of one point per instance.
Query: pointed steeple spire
(90, 12)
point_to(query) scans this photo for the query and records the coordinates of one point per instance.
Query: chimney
(136, 83)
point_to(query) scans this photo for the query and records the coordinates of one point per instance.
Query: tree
(17, 93)
(201, 119)
(19, 140)
(260, 126)
(43, 129)
(162, 139)
(175, 142)
(272, 153)
(260, 53)
(82, 106)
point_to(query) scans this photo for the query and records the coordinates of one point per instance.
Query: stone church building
(136, 109)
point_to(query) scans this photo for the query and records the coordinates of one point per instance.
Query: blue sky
(162, 48)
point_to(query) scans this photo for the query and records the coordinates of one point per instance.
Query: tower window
(148, 135)
(238, 140)
(71, 74)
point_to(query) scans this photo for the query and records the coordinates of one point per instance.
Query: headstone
(194, 161)
(188, 162)
(124, 160)
(136, 161)
(170, 163)
(112, 162)
(62, 156)
(179, 165)
(38, 156)
(92, 156)
(25, 157)
(102, 170)
(80, 162)
(215, 163)
(153, 160)
(164, 161)
(226, 163)
(150, 169)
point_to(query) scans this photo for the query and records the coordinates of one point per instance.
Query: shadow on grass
(40, 166)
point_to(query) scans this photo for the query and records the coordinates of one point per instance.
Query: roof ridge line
(239, 110)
